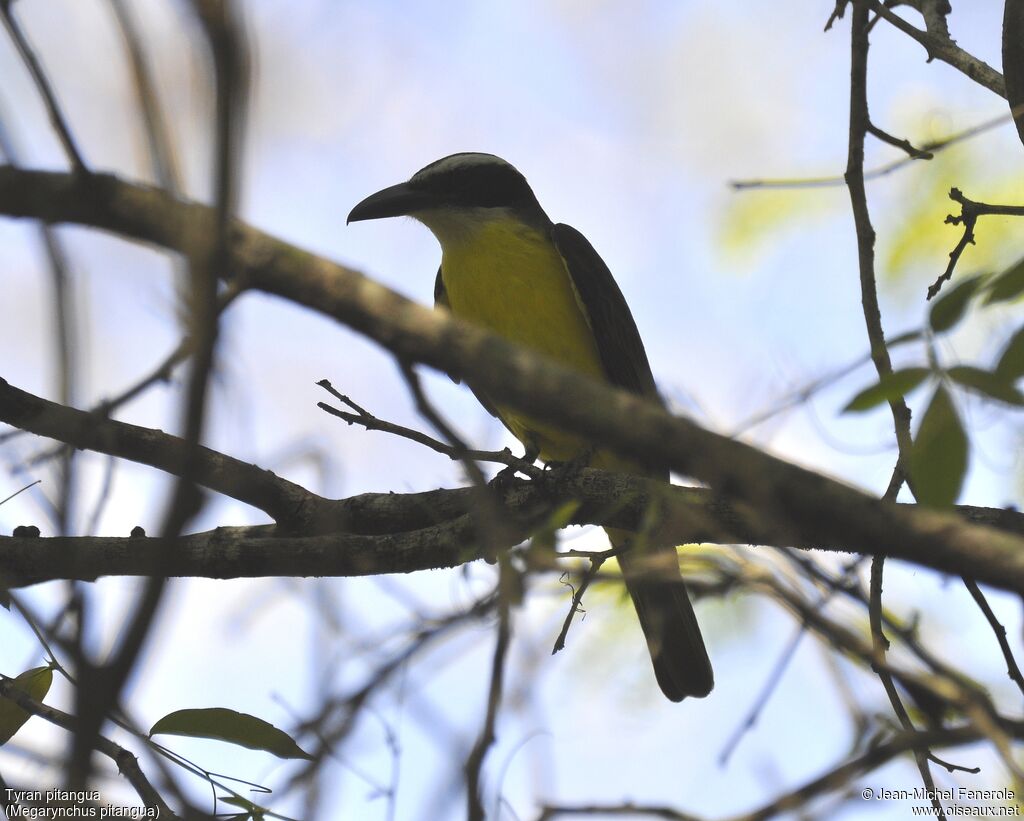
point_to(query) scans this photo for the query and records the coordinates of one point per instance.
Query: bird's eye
(490, 187)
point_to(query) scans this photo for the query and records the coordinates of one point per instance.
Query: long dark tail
(655, 584)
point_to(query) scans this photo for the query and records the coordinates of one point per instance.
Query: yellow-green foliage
(754, 219)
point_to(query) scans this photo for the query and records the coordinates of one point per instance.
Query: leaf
(938, 457)
(228, 725)
(987, 383)
(1007, 285)
(891, 386)
(36, 683)
(235, 801)
(903, 338)
(951, 306)
(757, 218)
(252, 811)
(1011, 362)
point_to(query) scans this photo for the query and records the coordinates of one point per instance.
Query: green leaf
(36, 683)
(938, 457)
(891, 386)
(1011, 361)
(1008, 285)
(756, 218)
(951, 306)
(903, 338)
(231, 726)
(987, 383)
(253, 811)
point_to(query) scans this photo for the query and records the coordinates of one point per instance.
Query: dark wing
(440, 294)
(677, 649)
(618, 340)
(441, 301)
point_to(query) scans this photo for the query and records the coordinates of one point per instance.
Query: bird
(506, 267)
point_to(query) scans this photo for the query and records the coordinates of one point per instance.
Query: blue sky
(629, 120)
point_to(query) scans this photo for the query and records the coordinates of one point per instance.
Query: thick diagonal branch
(526, 382)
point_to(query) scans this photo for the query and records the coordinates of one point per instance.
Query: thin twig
(508, 581)
(577, 598)
(30, 485)
(806, 392)
(837, 14)
(127, 763)
(1012, 670)
(968, 217)
(880, 644)
(943, 48)
(427, 410)
(161, 148)
(781, 664)
(43, 85)
(65, 330)
(279, 498)
(336, 719)
(364, 418)
(933, 147)
(896, 142)
(101, 686)
(526, 382)
(494, 526)
(859, 120)
(859, 126)
(103, 497)
(495, 529)
(843, 774)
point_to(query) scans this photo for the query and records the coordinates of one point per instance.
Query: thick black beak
(396, 201)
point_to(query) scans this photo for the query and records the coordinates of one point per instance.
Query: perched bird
(506, 267)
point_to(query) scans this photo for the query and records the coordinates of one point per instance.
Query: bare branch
(161, 149)
(944, 49)
(903, 145)
(361, 416)
(43, 85)
(127, 763)
(279, 498)
(393, 533)
(1012, 669)
(969, 213)
(932, 147)
(508, 581)
(859, 127)
(526, 382)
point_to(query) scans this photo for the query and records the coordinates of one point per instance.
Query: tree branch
(280, 499)
(944, 49)
(694, 515)
(127, 763)
(622, 422)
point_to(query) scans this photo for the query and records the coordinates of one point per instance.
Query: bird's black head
(468, 181)
(475, 180)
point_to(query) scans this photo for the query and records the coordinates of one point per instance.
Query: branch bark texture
(793, 497)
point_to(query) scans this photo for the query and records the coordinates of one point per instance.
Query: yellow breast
(510, 279)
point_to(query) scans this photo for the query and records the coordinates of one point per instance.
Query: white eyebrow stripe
(455, 161)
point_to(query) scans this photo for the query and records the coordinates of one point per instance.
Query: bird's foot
(559, 472)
